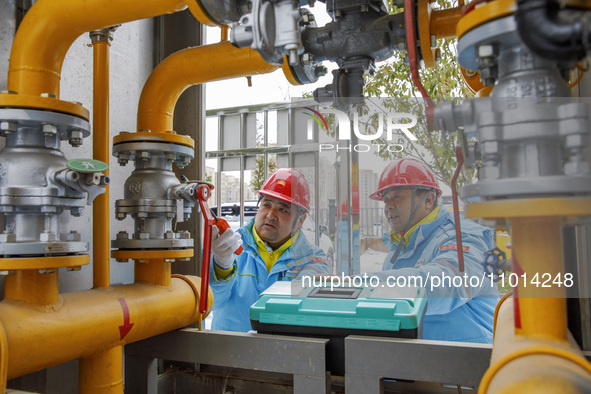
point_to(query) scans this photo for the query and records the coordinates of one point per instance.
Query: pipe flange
(145, 255)
(484, 14)
(42, 248)
(22, 263)
(533, 187)
(44, 103)
(181, 155)
(501, 33)
(148, 136)
(535, 207)
(146, 244)
(64, 126)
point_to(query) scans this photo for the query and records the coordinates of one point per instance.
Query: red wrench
(203, 194)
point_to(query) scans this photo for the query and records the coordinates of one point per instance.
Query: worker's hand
(223, 246)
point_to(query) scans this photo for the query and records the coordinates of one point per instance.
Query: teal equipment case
(323, 312)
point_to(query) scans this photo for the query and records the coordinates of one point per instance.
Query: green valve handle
(87, 165)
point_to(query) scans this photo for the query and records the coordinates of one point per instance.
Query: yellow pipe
(51, 26)
(537, 257)
(94, 321)
(188, 67)
(155, 271)
(102, 373)
(3, 358)
(528, 365)
(443, 22)
(32, 287)
(100, 150)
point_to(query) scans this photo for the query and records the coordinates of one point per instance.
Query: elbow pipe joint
(549, 33)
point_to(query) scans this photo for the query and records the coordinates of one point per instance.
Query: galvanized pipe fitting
(153, 195)
(531, 134)
(37, 184)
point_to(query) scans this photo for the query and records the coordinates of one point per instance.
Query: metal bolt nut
(73, 236)
(320, 71)
(144, 155)
(47, 237)
(144, 235)
(307, 59)
(8, 127)
(121, 215)
(575, 141)
(46, 271)
(490, 172)
(7, 237)
(169, 235)
(4, 273)
(122, 235)
(576, 168)
(486, 51)
(122, 260)
(433, 40)
(123, 157)
(308, 18)
(75, 138)
(169, 260)
(76, 211)
(50, 95)
(170, 157)
(73, 268)
(49, 129)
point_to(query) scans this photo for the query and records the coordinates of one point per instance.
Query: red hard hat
(406, 172)
(288, 185)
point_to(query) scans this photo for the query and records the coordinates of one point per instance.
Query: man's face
(397, 207)
(274, 220)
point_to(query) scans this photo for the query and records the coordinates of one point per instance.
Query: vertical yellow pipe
(51, 26)
(3, 359)
(154, 271)
(102, 373)
(100, 150)
(540, 312)
(28, 285)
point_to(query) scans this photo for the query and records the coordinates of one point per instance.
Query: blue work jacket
(455, 311)
(233, 296)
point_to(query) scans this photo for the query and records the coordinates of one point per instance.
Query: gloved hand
(223, 246)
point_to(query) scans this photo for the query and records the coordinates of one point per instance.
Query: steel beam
(369, 360)
(304, 358)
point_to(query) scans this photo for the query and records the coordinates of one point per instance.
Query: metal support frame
(369, 360)
(305, 358)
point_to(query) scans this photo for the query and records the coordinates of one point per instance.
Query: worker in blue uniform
(423, 245)
(274, 250)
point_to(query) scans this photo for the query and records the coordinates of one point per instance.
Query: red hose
(454, 195)
(413, 60)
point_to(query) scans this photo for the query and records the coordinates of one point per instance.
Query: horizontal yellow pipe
(188, 67)
(93, 321)
(51, 26)
(529, 365)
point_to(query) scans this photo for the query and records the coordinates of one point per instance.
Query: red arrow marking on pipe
(126, 327)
